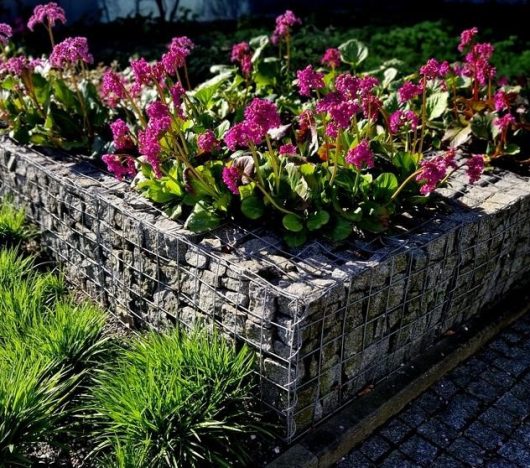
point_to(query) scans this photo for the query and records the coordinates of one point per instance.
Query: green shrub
(33, 395)
(13, 228)
(176, 400)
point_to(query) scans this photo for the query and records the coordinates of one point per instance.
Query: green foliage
(13, 227)
(175, 400)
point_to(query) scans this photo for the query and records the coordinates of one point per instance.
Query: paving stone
(514, 367)
(397, 460)
(484, 436)
(499, 420)
(355, 459)
(467, 451)
(375, 447)
(445, 461)
(395, 431)
(435, 431)
(430, 402)
(522, 434)
(498, 377)
(500, 462)
(445, 388)
(417, 448)
(516, 453)
(483, 390)
(460, 410)
(513, 405)
(413, 415)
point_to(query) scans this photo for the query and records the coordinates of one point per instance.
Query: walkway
(478, 415)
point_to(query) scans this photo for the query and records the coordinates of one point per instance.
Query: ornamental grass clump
(13, 226)
(51, 101)
(175, 400)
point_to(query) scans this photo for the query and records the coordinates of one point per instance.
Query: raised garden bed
(326, 320)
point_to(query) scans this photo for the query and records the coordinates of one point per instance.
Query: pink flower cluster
(284, 24)
(434, 170)
(403, 120)
(121, 134)
(232, 179)
(47, 14)
(409, 91)
(331, 58)
(120, 165)
(71, 51)
(175, 57)
(18, 65)
(477, 61)
(207, 142)
(261, 115)
(112, 88)
(505, 122)
(466, 38)
(309, 79)
(434, 69)
(361, 156)
(501, 101)
(288, 150)
(475, 167)
(6, 32)
(242, 55)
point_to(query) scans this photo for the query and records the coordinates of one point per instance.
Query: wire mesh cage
(325, 320)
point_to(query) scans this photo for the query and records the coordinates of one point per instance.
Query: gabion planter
(325, 320)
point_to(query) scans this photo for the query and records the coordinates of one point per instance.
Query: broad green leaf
(353, 52)
(437, 104)
(389, 76)
(481, 126)
(512, 149)
(318, 219)
(385, 185)
(258, 44)
(202, 218)
(292, 222)
(342, 229)
(252, 207)
(457, 136)
(206, 91)
(295, 239)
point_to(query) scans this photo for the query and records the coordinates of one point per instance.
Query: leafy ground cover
(331, 148)
(72, 390)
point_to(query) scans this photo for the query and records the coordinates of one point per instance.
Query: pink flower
(408, 91)
(347, 85)
(71, 51)
(146, 73)
(331, 58)
(504, 122)
(120, 165)
(477, 63)
(332, 130)
(5, 33)
(288, 150)
(284, 24)
(502, 101)
(242, 135)
(403, 120)
(232, 179)
(466, 37)
(16, 65)
(158, 114)
(361, 156)
(371, 105)
(367, 85)
(241, 54)
(206, 142)
(112, 88)
(263, 114)
(149, 146)
(121, 134)
(475, 167)
(309, 79)
(433, 171)
(46, 14)
(343, 112)
(178, 51)
(329, 101)
(434, 69)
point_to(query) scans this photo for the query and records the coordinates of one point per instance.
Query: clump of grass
(33, 395)
(13, 227)
(175, 400)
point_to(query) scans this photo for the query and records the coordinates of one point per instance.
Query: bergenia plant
(51, 101)
(337, 152)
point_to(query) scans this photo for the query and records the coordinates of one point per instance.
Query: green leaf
(342, 229)
(65, 95)
(512, 149)
(389, 76)
(353, 52)
(481, 126)
(406, 162)
(437, 104)
(252, 207)
(206, 91)
(316, 220)
(292, 222)
(385, 185)
(296, 181)
(295, 239)
(258, 44)
(8, 83)
(203, 218)
(174, 212)
(458, 135)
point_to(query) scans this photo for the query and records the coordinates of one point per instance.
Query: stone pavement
(477, 415)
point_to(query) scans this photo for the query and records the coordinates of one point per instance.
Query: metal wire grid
(106, 291)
